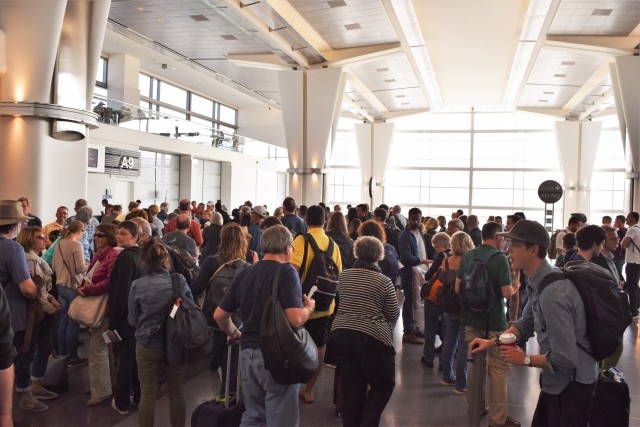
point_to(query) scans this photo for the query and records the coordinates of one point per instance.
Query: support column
(51, 45)
(626, 83)
(123, 81)
(374, 144)
(577, 144)
(310, 99)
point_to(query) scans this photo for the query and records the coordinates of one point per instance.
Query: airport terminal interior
(441, 105)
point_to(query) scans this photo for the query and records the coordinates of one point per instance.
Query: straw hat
(11, 212)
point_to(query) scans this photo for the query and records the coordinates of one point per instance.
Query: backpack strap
(276, 281)
(176, 286)
(549, 279)
(634, 243)
(304, 256)
(446, 263)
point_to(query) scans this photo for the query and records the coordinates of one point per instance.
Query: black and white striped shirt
(368, 304)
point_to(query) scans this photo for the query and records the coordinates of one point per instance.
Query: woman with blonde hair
(232, 251)
(32, 240)
(69, 266)
(454, 343)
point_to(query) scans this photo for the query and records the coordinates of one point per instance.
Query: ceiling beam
(269, 61)
(404, 113)
(595, 45)
(361, 55)
(587, 87)
(363, 90)
(604, 98)
(556, 112)
(299, 24)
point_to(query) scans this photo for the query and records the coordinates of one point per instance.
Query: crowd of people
(126, 259)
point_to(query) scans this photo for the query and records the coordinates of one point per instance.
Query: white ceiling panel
(596, 18)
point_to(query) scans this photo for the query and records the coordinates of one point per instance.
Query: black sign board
(372, 187)
(550, 191)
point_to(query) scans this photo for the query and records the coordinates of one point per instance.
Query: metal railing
(122, 114)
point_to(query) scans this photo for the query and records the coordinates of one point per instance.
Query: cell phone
(314, 288)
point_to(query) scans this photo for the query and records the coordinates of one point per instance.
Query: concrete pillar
(43, 103)
(374, 143)
(311, 101)
(626, 82)
(577, 144)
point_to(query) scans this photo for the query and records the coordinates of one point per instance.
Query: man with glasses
(61, 216)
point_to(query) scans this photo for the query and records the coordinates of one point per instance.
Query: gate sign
(550, 191)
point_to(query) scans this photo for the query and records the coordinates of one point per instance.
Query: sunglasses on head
(99, 235)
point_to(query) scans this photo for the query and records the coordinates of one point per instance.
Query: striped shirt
(368, 304)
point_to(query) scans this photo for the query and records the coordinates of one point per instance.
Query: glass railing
(119, 113)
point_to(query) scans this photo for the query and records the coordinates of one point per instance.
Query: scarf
(366, 266)
(41, 269)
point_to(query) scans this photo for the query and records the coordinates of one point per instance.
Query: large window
(206, 180)
(159, 178)
(175, 102)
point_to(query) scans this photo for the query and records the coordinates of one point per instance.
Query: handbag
(35, 314)
(88, 311)
(289, 353)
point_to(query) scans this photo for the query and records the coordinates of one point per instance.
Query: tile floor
(418, 399)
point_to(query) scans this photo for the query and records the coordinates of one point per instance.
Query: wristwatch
(527, 360)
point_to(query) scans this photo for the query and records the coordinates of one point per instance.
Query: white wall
(239, 171)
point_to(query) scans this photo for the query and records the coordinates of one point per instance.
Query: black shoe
(426, 363)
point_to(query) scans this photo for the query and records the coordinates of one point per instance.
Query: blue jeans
(454, 344)
(431, 317)
(267, 402)
(68, 330)
(407, 305)
(127, 370)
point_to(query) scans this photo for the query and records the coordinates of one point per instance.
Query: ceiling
(401, 57)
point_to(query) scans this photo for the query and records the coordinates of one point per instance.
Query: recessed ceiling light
(400, 96)
(390, 80)
(405, 103)
(140, 9)
(355, 26)
(199, 18)
(568, 63)
(229, 37)
(543, 100)
(560, 75)
(601, 12)
(382, 70)
(336, 3)
(547, 93)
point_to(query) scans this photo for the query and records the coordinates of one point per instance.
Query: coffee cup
(507, 339)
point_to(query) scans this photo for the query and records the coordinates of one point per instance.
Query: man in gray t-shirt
(179, 238)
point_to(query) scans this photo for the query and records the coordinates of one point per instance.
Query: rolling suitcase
(611, 403)
(221, 411)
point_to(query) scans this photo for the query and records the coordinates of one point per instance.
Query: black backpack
(476, 292)
(183, 263)
(219, 285)
(323, 272)
(606, 308)
(552, 250)
(446, 297)
(187, 334)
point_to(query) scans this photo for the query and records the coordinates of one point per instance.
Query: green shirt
(499, 275)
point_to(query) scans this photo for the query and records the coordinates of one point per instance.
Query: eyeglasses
(41, 237)
(100, 235)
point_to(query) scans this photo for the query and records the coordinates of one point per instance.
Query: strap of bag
(304, 255)
(446, 263)
(65, 264)
(224, 264)
(634, 243)
(276, 281)
(176, 286)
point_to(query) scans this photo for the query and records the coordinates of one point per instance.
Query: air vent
(405, 103)
(400, 96)
(336, 3)
(382, 70)
(548, 93)
(350, 27)
(560, 76)
(543, 100)
(390, 81)
(601, 12)
(229, 37)
(199, 18)
(568, 63)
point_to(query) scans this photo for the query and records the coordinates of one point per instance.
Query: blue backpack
(476, 292)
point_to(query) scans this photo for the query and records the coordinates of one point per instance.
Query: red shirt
(195, 232)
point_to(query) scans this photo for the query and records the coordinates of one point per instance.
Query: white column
(577, 145)
(123, 80)
(309, 100)
(374, 144)
(39, 158)
(627, 95)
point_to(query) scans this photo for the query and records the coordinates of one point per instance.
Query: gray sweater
(68, 263)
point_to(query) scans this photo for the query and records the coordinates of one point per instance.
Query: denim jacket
(149, 300)
(559, 321)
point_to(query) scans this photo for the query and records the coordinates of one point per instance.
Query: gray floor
(418, 399)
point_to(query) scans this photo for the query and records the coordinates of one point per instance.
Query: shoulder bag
(289, 353)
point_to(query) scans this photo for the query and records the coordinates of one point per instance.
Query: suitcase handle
(230, 346)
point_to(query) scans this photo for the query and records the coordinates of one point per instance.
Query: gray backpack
(218, 286)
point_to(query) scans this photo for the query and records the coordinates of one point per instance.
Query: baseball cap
(528, 231)
(259, 210)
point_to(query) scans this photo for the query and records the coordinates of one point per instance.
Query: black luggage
(56, 377)
(611, 403)
(225, 410)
